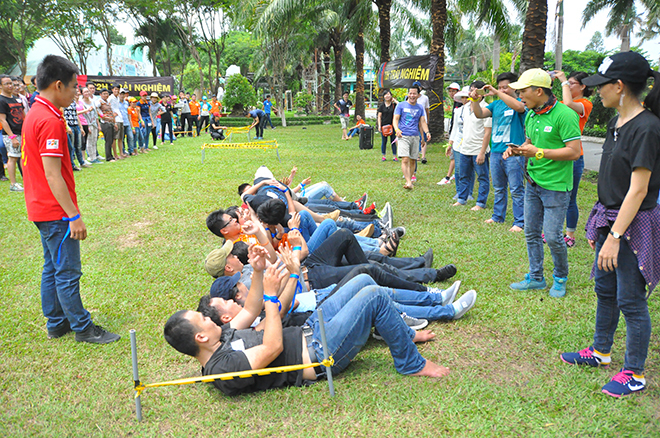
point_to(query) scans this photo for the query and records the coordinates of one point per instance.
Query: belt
(307, 332)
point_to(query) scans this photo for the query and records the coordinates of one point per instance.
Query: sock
(604, 358)
(640, 378)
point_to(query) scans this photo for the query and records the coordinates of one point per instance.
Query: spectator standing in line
(194, 112)
(508, 115)
(12, 115)
(474, 153)
(118, 142)
(73, 132)
(624, 225)
(51, 202)
(204, 113)
(344, 105)
(136, 124)
(108, 126)
(155, 110)
(144, 105)
(574, 95)
(268, 107)
(166, 119)
(36, 93)
(553, 143)
(186, 120)
(455, 103)
(409, 120)
(385, 119)
(21, 93)
(126, 123)
(93, 126)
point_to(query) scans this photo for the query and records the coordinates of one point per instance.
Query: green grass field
(143, 260)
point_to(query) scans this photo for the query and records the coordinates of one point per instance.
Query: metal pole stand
(136, 376)
(328, 370)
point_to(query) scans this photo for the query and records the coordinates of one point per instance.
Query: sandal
(390, 246)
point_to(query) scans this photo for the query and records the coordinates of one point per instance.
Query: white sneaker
(155, 147)
(15, 187)
(464, 303)
(443, 181)
(453, 177)
(86, 164)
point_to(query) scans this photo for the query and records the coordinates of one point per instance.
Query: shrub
(238, 94)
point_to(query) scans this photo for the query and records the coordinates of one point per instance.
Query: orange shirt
(194, 107)
(588, 106)
(134, 115)
(216, 106)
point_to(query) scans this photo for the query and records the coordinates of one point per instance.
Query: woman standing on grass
(385, 117)
(624, 225)
(574, 95)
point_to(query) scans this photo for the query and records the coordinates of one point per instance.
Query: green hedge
(595, 131)
(277, 121)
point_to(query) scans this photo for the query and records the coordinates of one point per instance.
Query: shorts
(344, 121)
(12, 151)
(119, 131)
(408, 146)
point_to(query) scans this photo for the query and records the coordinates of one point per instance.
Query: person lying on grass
(235, 347)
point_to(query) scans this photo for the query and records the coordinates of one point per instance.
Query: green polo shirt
(551, 131)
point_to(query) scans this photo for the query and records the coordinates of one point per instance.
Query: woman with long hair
(624, 225)
(574, 95)
(385, 117)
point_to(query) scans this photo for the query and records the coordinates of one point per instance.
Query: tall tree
(101, 15)
(621, 19)
(596, 43)
(533, 45)
(66, 27)
(437, 115)
(21, 24)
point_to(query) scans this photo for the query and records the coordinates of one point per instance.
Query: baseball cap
(132, 99)
(154, 94)
(222, 286)
(217, 259)
(627, 66)
(123, 90)
(454, 86)
(534, 77)
(143, 93)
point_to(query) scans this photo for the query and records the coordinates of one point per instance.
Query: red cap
(143, 93)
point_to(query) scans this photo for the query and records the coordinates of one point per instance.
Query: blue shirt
(409, 120)
(267, 106)
(257, 113)
(508, 126)
(123, 110)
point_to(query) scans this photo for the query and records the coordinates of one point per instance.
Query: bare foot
(515, 229)
(476, 208)
(489, 221)
(456, 204)
(432, 370)
(423, 336)
(408, 187)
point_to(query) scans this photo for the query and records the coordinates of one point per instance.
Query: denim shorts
(12, 151)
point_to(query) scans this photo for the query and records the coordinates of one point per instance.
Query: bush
(303, 101)
(277, 121)
(238, 94)
(595, 131)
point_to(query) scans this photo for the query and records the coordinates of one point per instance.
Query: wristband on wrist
(295, 228)
(296, 248)
(71, 219)
(273, 299)
(13, 136)
(565, 83)
(296, 276)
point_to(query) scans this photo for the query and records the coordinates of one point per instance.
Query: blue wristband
(295, 228)
(296, 276)
(296, 248)
(273, 299)
(71, 219)
(66, 234)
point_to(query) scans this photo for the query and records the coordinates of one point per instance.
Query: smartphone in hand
(481, 92)
(513, 145)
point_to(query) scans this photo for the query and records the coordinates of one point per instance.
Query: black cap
(222, 286)
(627, 66)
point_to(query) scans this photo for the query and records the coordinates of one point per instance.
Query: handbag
(387, 130)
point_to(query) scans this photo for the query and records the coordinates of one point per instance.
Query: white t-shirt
(114, 104)
(474, 130)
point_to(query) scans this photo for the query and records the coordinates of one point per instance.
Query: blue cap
(222, 287)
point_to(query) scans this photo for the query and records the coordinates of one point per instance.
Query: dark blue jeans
(75, 144)
(469, 165)
(348, 320)
(60, 282)
(383, 145)
(573, 214)
(508, 172)
(624, 290)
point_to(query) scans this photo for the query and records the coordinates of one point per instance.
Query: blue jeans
(319, 191)
(427, 305)
(60, 283)
(357, 226)
(130, 138)
(511, 172)
(468, 164)
(623, 290)
(326, 228)
(545, 211)
(75, 144)
(268, 120)
(145, 131)
(573, 214)
(348, 320)
(383, 145)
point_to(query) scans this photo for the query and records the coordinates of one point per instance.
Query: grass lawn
(143, 260)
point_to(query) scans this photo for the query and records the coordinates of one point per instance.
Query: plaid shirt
(71, 115)
(643, 236)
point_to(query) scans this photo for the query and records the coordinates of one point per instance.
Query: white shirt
(114, 104)
(457, 130)
(474, 130)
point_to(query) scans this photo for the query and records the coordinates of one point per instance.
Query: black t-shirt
(167, 115)
(344, 106)
(637, 144)
(229, 358)
(13, 109)
(387, 116)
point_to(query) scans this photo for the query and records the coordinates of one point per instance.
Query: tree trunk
(319, 86)
(625, 38)
(496, 52)
(327, 105)
(359, 75)
(384, 8)
(437, 117)
(339, 52)
(559, 48)
(533, 44)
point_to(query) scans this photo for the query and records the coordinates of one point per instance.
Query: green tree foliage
(116, 38)
(303, 101)
(573, 60)
(597, 44)
(21, 24)
(68, 29)
(240, 50)
(238, 94)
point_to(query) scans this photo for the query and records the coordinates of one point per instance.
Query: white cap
(454, 86)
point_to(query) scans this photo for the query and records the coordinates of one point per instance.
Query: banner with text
(403, 72)
(134, 84)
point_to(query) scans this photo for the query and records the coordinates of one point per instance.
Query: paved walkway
(593, 148)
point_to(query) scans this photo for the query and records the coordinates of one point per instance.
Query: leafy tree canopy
(238, 94)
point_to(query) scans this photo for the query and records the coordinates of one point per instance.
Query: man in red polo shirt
(51, 202)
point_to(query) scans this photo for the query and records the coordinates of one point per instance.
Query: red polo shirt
(44, 135)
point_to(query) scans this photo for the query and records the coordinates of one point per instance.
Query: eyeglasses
(230, 221)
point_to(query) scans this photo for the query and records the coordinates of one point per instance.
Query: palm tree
(622, 17)
(533, 45)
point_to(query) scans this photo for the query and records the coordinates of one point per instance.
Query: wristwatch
(616, 235)
(540, 154)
